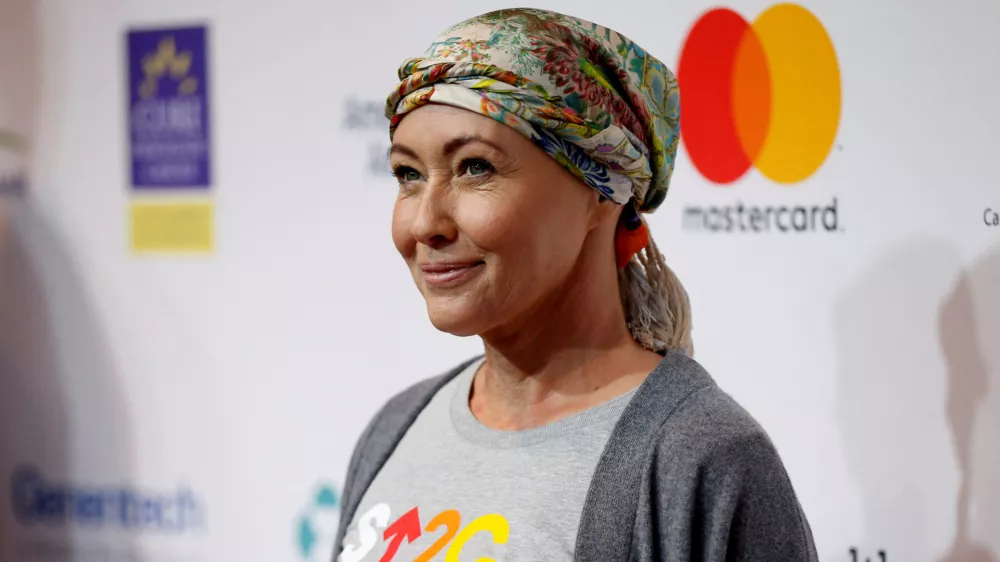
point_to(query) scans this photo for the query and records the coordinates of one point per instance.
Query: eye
(477, 167)
(406, 174)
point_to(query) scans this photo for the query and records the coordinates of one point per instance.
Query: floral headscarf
(592, 99)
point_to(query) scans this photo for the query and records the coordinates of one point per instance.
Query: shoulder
(706, 422)
(418, 394)
(712, 452)
(709, 447)
(381, 435)
(399, 411)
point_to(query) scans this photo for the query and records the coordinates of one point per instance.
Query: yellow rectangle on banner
(172, 227)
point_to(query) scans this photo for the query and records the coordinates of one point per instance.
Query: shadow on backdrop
(918, 404)
(63, 417)
(969, 329)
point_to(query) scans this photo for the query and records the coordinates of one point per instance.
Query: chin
(457, 318)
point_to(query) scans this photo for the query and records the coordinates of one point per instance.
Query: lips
(444, 274)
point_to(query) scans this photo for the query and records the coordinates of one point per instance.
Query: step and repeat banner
(201, 306)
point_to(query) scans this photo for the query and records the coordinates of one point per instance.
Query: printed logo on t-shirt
(374, 529)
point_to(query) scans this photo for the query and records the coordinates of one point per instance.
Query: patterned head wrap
(588, 96)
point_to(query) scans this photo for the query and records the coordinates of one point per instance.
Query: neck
(570, 353)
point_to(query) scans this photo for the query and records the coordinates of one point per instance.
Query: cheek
(490, 224)
(519, 235)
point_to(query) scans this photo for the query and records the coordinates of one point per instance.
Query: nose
(434, 224)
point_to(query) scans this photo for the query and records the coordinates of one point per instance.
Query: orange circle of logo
(764, 95)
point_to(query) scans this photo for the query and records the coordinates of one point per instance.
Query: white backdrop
(231, 387)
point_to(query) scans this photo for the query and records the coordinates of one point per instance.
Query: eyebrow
(450, 147)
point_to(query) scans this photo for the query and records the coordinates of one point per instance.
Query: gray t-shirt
(454, 486)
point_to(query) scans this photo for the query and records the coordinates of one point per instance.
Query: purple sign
(168, 108)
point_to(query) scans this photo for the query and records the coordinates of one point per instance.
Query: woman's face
(490, 226)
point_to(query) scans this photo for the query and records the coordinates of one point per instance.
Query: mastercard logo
(762, 95)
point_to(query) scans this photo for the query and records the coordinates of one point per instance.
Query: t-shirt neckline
(473, 430)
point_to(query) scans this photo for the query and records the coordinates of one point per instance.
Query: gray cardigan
(687, 475)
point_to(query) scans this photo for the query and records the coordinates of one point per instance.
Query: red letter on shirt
(406, 526)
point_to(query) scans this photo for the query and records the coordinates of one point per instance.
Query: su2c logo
(764, 94)
(408, 527)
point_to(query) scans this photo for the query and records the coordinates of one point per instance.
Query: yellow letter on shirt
(494, 523)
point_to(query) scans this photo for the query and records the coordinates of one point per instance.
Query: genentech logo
(762, 95)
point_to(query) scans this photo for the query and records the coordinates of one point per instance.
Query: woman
(526, 145)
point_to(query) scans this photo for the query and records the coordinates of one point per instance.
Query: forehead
(436, 125)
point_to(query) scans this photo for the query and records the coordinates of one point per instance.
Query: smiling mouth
(443, 275)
